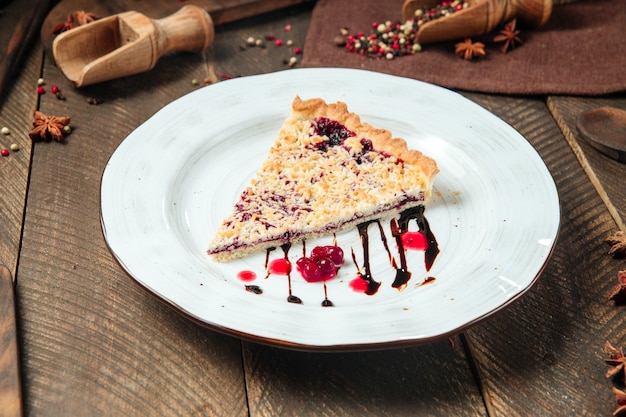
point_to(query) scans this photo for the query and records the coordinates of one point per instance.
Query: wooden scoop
(481, 17)
(604, 128)
(128, 43)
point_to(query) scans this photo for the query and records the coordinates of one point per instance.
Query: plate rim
(398, 343)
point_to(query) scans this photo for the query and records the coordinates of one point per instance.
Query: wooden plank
(543, 356)
(17, 102)
(433, 380)
(10, 379)
(95, 343)
(603, 172)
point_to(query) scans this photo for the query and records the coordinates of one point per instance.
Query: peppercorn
(14, 147)
(5, 131)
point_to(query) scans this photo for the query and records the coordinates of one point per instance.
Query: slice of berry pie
(326, 171)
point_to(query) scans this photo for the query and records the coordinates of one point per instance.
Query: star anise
(619, 292)
(468, 49)
(64, 26)
(615, 359)
(617, 240)
(509, 35)
(82, 17)
(620, 397)
(48, 127)
(78, 18)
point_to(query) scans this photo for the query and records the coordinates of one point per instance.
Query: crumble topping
(325, 171)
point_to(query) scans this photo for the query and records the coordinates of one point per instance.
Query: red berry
(4, 152)
(326, 266)
(278, 42)
(297, 50)
(54, 89)
(335, 253)
(41, 90)
(319, 252)
(308, 269)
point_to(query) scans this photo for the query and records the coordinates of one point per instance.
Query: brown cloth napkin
(581, 50)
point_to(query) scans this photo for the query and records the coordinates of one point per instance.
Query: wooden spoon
(482, 16)
(128, 43)
(605, 129)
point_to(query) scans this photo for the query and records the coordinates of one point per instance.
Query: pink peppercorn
(297, 50)
(4, 152)
(279, 42)
(287, 28)
(54, 89)
(41, 90)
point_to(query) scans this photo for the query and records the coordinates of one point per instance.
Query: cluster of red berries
(322, 265)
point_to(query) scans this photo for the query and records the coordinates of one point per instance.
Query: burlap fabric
(581, 50)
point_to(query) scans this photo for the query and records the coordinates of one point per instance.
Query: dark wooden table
(93, 343)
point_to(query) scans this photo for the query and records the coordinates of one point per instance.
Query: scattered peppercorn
(5, 131)
(41, 90)
(14, 147)
(41, 81)
(4, 152)
(54, 89)
(393, 39)
(67, 130)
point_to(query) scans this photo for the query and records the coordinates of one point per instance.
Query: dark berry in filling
(333, 130)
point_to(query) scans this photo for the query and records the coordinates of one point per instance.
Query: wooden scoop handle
(189, 29)
(530, 12)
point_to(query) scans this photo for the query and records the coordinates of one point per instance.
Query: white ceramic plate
(495, 213)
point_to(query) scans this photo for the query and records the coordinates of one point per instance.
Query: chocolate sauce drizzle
(398, 227)
(290, 298)
(403, 275)
(372, 286)
(254, 289)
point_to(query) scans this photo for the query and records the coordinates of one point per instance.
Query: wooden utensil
(128, 43)
(220, 11)
(604, 128)
(10, 381)
(482, 16)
